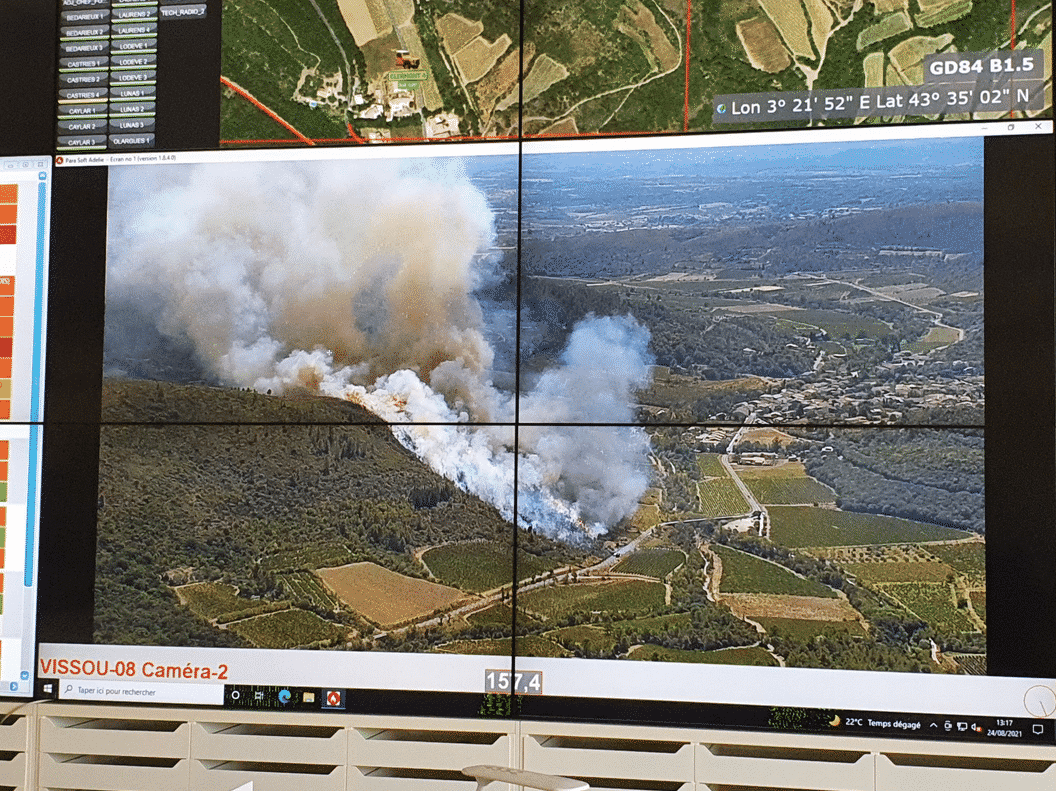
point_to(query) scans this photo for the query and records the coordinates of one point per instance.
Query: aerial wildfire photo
(358, 71)
(714, 405)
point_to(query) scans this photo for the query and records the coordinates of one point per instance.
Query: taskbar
(721, 716)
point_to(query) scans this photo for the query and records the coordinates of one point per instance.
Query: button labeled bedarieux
(1040, 701)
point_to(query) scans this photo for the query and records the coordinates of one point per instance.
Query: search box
(140, 692)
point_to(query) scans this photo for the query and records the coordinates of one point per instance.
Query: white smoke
(356, 280)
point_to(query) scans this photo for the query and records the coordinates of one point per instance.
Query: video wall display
(370, 70)
(355, 72)
(326, 362)
(800, 361)
(489, 418)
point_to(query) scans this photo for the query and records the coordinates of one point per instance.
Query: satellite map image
(356, 71)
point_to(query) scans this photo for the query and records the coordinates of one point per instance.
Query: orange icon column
(8, 238)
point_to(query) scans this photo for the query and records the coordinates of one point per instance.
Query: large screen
(640, 361)
(175, 74)
(704, 422)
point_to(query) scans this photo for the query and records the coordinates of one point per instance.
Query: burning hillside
(358, 281)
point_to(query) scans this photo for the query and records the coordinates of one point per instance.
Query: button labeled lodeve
(133, 45)
(141, 75)
(134, 59)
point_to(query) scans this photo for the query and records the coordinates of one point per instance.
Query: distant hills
(790, 246)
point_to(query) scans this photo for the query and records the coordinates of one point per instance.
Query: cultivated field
(887, 6)
(767, 436)
(820, 22)
(973, 664)
(744, 573)
(646, 516)
(968, 558)
(286, 629)
(651, 562)
(479, 56)
(720, 497)
(473, 566)
(788, 17)
(762, 44)
(496, 614)
(362, 19)
(638, 22)
(944, 14)
(804, 608)
(794, 526)
(912, 571)
(479, 566)
(408, 35)
(210, 600)
(544, 72)
(881, 553)
(785, 485)
(873, 66)
(385, 597)
(936, 337)
(587, 637)
(623, 596)
(978, 603)
(907, 56)
(457, 31)
(529, 645)
(803, 630)
(564, 127)
(933, 603)
(888, 26)
(306, 557)
(305, 586)
(710, 465)
(836, 324)
(727, 656)
(501, 80)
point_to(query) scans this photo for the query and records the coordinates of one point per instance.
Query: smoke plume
(356, 280)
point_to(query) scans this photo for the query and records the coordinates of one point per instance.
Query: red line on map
(1012, 42)
(277, 141)
(352, 133)
(356, 139)
(685, 107)
(577, 135)
(246, 95)
(465, 139)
